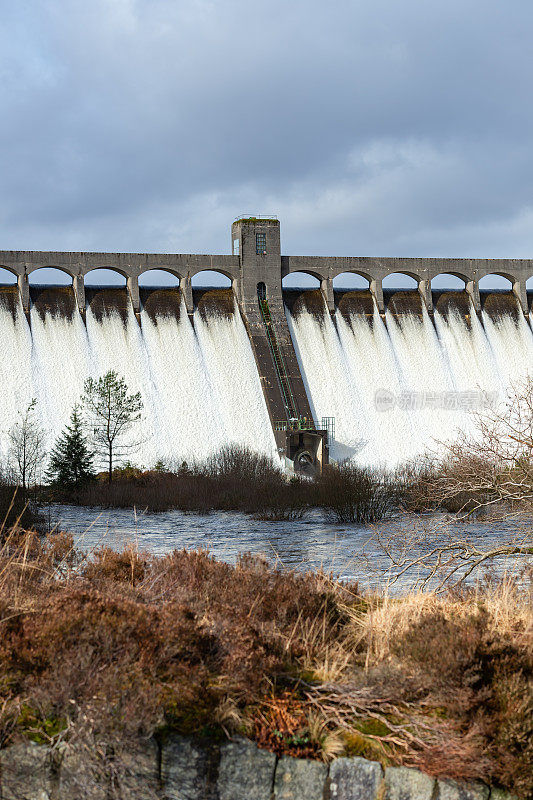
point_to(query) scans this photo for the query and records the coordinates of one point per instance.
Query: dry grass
(105, 647)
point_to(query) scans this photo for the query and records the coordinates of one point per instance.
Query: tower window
(261, 244)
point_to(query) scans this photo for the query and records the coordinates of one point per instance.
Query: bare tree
(440, 554)
(489, 471)
(112, 414)
(26, 449)
(493, 468)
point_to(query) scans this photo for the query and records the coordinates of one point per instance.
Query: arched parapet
(500, 273)
(460, 276)
(130, 278)
(310, 265)
(420, 278)
(325, 284)
(517, 285)
(83, 271)
(415, 276)
(178, 274)
(230, 274)
(32, 269)
(12, 271)
(354, 270)
(216, 278)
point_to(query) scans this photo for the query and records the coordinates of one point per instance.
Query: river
(350, 552)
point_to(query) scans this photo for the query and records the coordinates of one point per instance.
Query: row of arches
(110, 277)
(399, 281)
(296, 280)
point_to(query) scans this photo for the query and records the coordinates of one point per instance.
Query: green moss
(196, 720)
(372, 727)
(357, 744)
(39, 729)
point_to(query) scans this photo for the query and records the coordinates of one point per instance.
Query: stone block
(501, 794)
(402, 783)
(245, 772)
(299, 779)
(26, 772)
(138, 771)
(185, 770)
(452, 790)
(354, 779)
(82, 775)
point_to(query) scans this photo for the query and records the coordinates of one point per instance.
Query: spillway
(390, 381)
(199, 382)
(401, 385)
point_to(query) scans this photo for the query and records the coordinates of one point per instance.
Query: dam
(374, 374)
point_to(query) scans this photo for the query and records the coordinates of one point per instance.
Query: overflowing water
(401, 386)
(395, 386)
(199, 383)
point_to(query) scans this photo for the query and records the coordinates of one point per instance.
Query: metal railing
(295, 424)
(328, 424)
(256, 216)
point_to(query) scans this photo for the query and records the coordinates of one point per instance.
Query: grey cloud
(392, 128)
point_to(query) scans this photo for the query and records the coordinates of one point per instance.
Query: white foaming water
(201, 389)
(199, 385)
(346, 364)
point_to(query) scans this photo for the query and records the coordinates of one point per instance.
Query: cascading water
(400, 386)
(199, 384)
(385, 381)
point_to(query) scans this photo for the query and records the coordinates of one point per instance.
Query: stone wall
(182, 769)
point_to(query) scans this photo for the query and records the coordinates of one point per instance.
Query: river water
(350, 552)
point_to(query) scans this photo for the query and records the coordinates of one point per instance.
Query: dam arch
(7, 276)
(59, 273)
(415, 282)
(351, 280)
(168, 278)
(293, 280)
(503, 282)
(449, 281)
(203, 278)
(388, 280)
(110, 276)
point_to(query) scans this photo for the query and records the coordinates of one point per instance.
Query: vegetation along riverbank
(101, 648)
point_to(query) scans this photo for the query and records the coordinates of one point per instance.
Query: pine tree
(71, 461)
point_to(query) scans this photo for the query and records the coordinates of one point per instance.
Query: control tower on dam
(256, 269)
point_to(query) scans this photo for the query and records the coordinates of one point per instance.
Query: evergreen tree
(71, 461)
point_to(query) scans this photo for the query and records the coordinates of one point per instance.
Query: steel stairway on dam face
(277, 358)
(304, 447)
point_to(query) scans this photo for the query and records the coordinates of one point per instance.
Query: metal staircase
(277, 358)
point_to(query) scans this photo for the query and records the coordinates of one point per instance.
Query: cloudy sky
(370, 127)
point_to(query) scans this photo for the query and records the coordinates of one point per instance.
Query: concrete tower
(256, 241)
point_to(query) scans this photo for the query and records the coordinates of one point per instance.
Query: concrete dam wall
(262, 366)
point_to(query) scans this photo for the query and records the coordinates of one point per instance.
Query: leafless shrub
(355, 494)
(491, 470)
